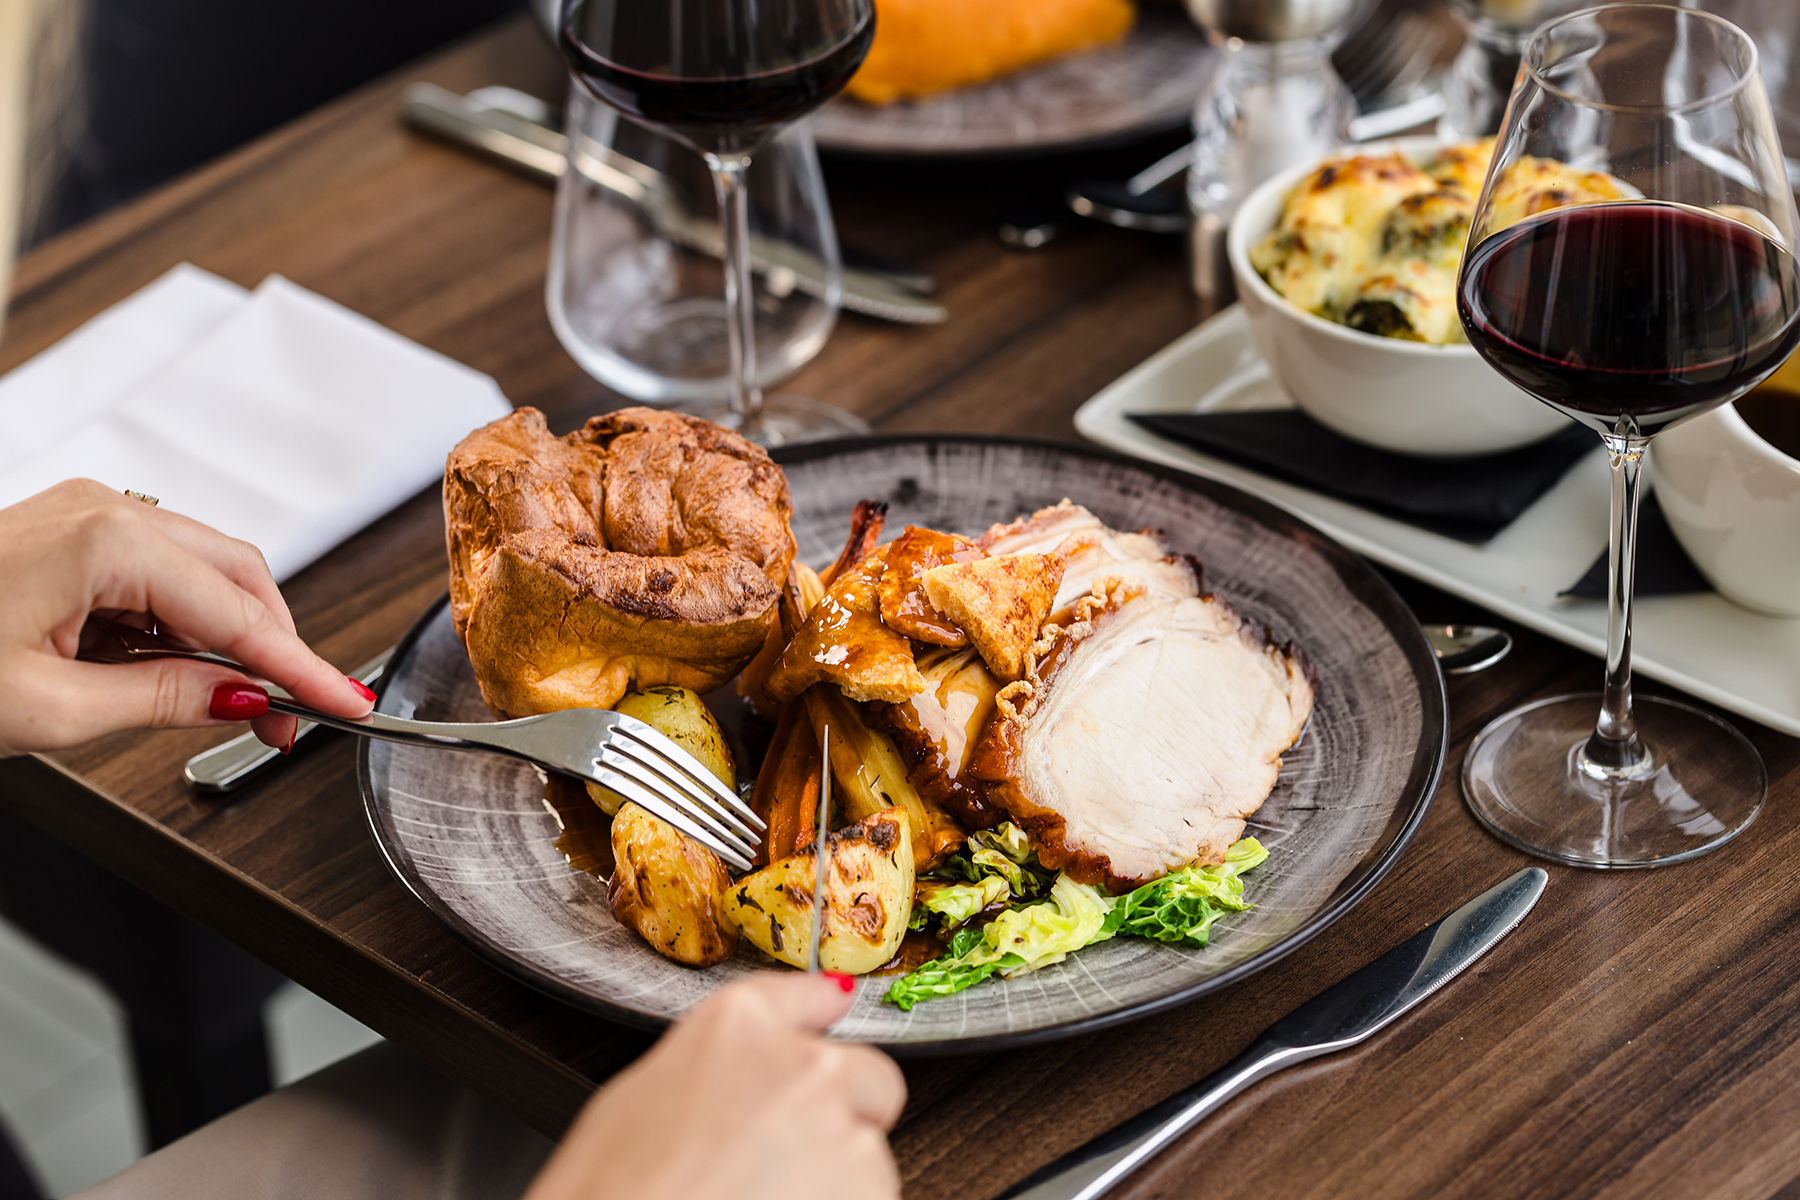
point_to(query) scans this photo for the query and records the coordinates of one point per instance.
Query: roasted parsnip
(870, 775)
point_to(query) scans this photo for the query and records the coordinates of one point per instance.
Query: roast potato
(680, 715)
(868, 897)
(669, 889)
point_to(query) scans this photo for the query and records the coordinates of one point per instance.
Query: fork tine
(699, 808)
(737, 815)
(650, 763)
(685, 765)
(659, 805)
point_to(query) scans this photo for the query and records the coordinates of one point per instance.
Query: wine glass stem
(740, 300)
(1614, 751)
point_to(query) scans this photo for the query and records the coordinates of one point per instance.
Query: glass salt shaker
(1275, 100)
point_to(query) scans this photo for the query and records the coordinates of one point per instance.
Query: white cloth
(276, 416)
(377, 1126)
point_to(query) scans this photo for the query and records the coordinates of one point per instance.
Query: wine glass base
(1704, 784)
(785, 419)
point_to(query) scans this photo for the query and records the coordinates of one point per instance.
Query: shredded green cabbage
(957, 902)
(1179, 908)
(949, 974)
(1004, 853)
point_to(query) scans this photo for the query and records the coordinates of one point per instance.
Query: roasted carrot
(787, 787)
(865, 529)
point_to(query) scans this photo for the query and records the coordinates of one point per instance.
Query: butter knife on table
(542, 153)
(1336, 1019)
(232, 764)
(820, 847)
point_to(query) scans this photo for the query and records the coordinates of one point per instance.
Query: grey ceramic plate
(1145, 84)
(470, 836)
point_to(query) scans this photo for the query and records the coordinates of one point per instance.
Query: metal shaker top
(1271, 20)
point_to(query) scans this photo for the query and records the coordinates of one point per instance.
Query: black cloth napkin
(1663, 567)
(1470, 499)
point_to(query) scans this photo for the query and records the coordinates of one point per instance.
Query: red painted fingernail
(368, 693)
(845, 983)
(292, 738)
(237, 702)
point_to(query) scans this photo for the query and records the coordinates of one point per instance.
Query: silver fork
(611, 749)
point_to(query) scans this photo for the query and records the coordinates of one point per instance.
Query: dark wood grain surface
(1639, 1035)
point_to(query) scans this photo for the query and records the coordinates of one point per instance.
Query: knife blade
(819, 847)
(1336, 1019)
(542, 153)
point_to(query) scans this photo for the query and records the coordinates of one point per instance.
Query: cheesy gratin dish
(1375, 242)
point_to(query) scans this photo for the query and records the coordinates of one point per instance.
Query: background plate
(1146, 84)
(470, 836)
(1701, 642)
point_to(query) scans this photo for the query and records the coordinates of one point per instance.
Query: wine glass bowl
(635, 291)
(721, 77)
(1631, 265)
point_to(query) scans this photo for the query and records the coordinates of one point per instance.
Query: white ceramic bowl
(1733, 501)
(1435, 401)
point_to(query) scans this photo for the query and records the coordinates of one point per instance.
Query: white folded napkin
(278, 417)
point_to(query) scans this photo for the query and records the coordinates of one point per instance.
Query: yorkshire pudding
(645, 548)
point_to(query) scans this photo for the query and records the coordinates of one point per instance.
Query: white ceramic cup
(1733, 501)
(1432, 401)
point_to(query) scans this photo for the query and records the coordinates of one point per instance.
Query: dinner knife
(231, 764)
(819, 848)
(543, 154)
(1336, 1019)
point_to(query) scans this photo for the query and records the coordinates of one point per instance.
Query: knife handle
(231, 764)
(1093, 1169)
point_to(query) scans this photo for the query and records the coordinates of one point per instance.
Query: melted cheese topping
(1319, 253)
(1534, 185)
(1376, 243)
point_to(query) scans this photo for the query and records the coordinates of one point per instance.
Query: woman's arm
(741, 1100)
(81, 550)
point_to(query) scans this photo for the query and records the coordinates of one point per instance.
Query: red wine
(1638, 311)
(704, 80)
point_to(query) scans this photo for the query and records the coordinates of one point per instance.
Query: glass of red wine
(1661, 285)
(723, 76)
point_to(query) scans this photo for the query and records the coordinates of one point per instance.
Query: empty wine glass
(1650, 280)
(635, 290)
(722, 76)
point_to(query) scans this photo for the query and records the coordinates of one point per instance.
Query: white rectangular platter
(1700, 643)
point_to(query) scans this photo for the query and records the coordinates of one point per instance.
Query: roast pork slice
(1150, 728)
(1091, 552)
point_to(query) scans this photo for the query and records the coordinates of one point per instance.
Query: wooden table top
(1639, 1034)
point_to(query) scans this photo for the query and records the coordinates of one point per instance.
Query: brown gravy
(586, 839)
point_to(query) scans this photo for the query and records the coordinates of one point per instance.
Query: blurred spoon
(1465, 649)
